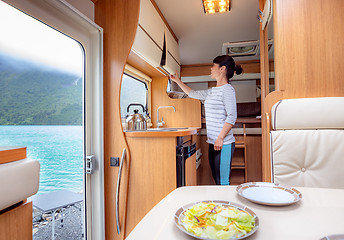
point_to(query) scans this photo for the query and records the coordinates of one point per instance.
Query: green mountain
(35, 94)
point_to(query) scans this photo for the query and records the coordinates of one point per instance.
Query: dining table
(318, 214)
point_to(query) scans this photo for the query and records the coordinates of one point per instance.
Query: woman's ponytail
(238, 69)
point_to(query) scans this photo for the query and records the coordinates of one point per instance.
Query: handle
(135, 104)
(117, 191)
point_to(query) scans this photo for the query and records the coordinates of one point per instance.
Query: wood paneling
(119, 20)
(188, 111)
(308, 45)
(252, 66)
(16, 223)
(152, 175)
(190, 171)
(10, 154)
(308, 38)
(254, 158)
(204, 175)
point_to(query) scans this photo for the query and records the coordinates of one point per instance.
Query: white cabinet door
(151, 22)
(172, 54)
(145, 48)
(172, 45)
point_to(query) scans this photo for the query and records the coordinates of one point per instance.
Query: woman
(220, 115)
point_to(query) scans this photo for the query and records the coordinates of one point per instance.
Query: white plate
(334, 237)
(179, 216)
(271, 194)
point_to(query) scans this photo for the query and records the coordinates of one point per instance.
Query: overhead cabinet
(172, 63)
(154, 42)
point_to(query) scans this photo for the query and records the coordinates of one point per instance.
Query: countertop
(175, 133)
(318, 214)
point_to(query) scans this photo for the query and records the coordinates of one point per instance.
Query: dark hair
(228, 62)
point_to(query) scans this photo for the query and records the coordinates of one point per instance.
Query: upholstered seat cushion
(18, 181)
(308, 158)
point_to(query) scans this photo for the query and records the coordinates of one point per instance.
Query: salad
(214, 221)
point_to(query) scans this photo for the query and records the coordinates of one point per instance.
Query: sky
(28, 38)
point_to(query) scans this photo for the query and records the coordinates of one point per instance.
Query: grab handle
(117, 191)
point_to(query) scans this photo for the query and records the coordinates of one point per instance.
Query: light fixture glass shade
(214, 6)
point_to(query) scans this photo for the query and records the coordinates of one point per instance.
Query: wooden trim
(252, 66)
(163, 18)
(270, 100)
(10, 154)
(135, 61)
(264, 58)
(264, 83)
(119, 19)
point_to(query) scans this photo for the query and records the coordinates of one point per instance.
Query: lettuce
(215, 221)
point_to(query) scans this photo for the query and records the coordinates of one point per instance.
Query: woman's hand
(218, 144)
(175, 78)
(182, 85)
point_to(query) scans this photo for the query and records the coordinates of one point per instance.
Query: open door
(68, 21)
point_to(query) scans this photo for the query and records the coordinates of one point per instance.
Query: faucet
(160, 124)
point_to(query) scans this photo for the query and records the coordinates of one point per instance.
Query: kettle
(136, 121)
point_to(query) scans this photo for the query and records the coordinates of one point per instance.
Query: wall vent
(244, 49)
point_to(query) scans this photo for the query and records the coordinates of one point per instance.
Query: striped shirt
(220, 107)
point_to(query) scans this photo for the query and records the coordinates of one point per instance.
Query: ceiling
(201, 36)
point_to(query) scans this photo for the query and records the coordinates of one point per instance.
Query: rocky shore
(68, 223)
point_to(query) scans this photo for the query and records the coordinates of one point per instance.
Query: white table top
(320, 213)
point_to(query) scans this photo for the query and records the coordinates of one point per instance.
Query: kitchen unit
(154, 168)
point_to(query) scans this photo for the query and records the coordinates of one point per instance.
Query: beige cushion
(18, 181)
(308, 113)
(308, 158)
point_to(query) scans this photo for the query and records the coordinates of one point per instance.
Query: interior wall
(188, 111)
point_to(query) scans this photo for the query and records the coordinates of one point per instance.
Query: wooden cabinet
(16, 222)
(152, 171)
(151, 22)
(149, 39)
(172, 63)
(154, 42)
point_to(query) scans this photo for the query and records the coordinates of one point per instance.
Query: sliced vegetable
(214, 221)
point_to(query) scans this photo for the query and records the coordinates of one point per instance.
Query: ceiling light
(213, 6)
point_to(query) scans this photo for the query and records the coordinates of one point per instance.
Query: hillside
(34, 94)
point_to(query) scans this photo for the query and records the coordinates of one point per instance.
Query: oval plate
(334, 237)
(271, 194)
(179, 216)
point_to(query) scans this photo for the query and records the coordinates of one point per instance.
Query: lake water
(59, 149)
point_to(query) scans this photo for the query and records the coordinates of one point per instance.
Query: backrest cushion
(308, 158)
(308, 113)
